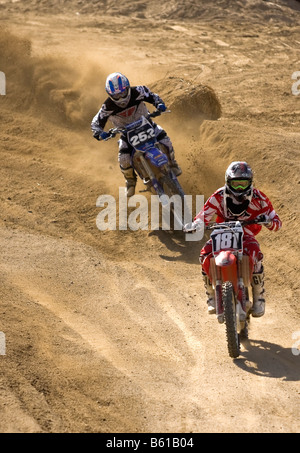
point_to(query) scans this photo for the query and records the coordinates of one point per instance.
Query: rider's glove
(96, 136)
(265, 219)
(161, 107)
(100, 136)
(192, 227)
(103, 135)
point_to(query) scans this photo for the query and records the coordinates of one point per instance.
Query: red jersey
(259, 205)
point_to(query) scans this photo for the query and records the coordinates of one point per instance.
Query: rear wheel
(233, 340)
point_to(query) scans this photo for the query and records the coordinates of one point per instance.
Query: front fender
(227, 262)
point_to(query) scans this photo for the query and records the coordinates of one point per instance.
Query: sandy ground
(107, 331)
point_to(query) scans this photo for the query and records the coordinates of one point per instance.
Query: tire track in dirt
(159, 345)
(109, 329)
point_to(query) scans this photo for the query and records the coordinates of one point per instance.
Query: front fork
(153, 179)
(241, 294)
(218, 295)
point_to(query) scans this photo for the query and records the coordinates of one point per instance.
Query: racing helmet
(238, 187)
(118, 88)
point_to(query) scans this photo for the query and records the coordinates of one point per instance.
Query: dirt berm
(107, 331)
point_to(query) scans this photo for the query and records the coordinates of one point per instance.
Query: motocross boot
(175, 168)
(172, 161)
(130, 177)
(257, 284)
(211, 303)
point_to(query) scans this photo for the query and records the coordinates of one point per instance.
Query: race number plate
(141, 134)
(226, 240)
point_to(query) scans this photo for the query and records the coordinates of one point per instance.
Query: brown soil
(108, 331)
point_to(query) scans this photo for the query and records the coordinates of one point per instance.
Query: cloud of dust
(69, 93)
(65, 91)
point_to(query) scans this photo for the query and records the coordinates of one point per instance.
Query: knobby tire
(233, 341)
(169, 186)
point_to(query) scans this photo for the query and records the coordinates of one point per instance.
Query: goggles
(240, 184)
(118, 96)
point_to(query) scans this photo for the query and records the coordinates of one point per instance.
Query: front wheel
(178, 206)
(171, 187)
(233, 341)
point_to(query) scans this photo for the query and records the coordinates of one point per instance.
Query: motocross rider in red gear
(238, 200)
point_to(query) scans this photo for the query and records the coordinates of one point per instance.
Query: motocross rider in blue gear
(124, 105)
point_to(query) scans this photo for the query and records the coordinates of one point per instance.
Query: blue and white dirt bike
(151, 163)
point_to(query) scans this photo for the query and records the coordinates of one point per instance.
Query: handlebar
(231, 224)
(121, 130)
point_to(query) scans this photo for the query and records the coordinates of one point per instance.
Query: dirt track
(108, 331)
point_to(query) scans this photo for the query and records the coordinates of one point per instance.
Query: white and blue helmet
(118, 88)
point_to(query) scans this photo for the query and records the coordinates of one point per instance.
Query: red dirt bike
(231, 274)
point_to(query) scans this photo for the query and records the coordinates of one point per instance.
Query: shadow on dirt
(175, 242)
(269, 360)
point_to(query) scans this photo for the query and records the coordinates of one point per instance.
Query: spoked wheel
(233, 340)
(170, 187)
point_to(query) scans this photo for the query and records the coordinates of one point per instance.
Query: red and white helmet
(238, 179)
(118, 88)
(238, 187)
